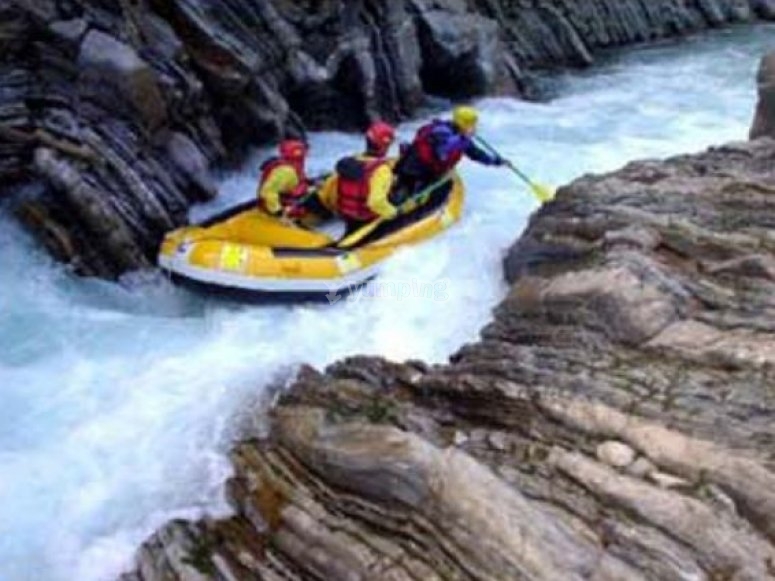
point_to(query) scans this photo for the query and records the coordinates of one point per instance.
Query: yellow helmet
(465, 118)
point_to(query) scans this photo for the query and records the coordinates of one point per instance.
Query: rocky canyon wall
(113, 111)
(616, 421)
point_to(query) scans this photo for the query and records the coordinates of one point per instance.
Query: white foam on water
(118, 403)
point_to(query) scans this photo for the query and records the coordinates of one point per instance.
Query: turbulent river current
(119, 402)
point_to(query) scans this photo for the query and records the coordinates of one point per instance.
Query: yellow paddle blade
(543, 193)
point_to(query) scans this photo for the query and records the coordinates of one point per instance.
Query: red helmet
(380, 135)
(293, 150)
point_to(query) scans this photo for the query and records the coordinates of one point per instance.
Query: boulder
(641, 468)
(615, 454)
(460, 53)
(764, 121)
(71, 31)
(191, 165)
(107, 62)
(765, 8)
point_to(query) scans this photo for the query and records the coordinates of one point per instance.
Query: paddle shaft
(431, 188)
(543, 193)
(509, 163)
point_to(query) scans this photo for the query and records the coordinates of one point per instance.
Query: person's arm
(481, 155)
(379, 190)
(281, 179)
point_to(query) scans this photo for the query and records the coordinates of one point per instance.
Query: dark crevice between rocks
(459, 54)
(341, 103)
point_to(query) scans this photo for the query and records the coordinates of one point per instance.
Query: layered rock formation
(616, 420)
(764, 121)
(112, 112)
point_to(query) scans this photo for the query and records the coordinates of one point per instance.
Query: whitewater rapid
(119, 402)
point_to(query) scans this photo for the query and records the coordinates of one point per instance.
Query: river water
(118, 402)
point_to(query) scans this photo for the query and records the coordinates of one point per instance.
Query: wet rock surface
(112, 112)
(764, 121)
(615, 421)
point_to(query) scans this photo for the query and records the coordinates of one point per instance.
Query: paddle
(542, 193)
(352, 239)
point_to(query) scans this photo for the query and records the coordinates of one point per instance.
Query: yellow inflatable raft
(245, 251)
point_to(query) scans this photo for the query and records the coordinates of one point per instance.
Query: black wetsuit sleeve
(477, 153)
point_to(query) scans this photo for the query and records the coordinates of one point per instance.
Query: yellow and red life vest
(354, 187)
(287, 199)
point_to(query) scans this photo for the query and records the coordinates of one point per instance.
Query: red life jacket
(286, 198)
(423, 145)
(353, 179)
